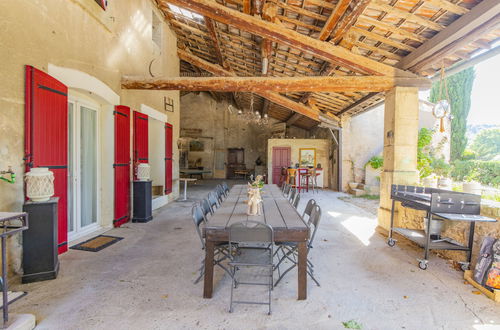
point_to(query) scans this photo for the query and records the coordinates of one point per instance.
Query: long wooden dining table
(286, 222)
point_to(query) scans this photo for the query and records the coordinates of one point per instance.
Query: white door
(82, 169)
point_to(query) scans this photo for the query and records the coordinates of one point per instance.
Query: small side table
(143, 201)
(40, 255)
(185, 186)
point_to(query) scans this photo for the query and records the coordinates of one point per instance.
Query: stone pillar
(400, 146)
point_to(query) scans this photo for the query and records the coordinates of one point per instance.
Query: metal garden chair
(286, 191)
(213, 200)
(251, 245)
(221, 252)
(220, 193)
(291, 196)
(290, 249)
(207, 209)
(296, 201)
(308, 210)
(226, 188)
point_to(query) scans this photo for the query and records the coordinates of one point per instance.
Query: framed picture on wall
(307, 157)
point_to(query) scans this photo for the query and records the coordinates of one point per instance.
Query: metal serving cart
(439, 204)
(10, 223)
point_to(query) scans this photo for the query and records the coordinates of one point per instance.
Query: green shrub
(440, 167)
(485, 172)
(469, 155)
(376, 162)
(423, 154)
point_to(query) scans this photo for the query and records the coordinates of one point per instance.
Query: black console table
(143, 201)
(40, 255)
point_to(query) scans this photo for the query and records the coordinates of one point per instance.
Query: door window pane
(88, 166)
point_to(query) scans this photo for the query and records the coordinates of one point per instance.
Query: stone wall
(222, 129)
(76, 38)
(457, 230)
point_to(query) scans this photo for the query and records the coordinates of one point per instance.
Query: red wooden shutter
(168, 158)
(46, 137)
(140, 139)
(122, 165)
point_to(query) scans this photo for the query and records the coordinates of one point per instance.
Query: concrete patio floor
(146, 280)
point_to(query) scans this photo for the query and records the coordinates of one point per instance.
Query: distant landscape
(473, 130)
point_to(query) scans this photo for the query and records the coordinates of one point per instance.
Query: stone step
(358, 192)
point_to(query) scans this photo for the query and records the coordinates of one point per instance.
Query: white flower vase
(430, 182)
(143, 172)
(254, 202)
(444, 183)
(39, 184)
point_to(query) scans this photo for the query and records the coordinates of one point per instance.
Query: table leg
(209, 270)
(185, 189)
(302, 270)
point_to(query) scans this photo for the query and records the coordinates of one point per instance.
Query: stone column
(400, 146)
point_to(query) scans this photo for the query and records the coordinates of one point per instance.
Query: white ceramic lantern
(143, 172)
(39, 184)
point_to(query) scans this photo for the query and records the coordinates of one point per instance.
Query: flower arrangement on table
(259, 182)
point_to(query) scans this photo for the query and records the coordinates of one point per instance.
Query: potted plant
(373, 169)
(442, 169)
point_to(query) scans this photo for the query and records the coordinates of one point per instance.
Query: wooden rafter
(482, 18)
(278, 84)
(349, 20)
(334, 19)
(271, 96)
(282, 35)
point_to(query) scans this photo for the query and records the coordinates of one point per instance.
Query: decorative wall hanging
(442, 107)
(195, 145)
(307, 157)
(168, 104)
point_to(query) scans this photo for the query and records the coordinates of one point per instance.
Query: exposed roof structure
(294, 38)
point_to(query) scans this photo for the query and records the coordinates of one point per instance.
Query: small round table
(185, 185)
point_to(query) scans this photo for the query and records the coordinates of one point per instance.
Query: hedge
(485, 172)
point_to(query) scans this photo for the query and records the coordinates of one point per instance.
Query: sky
(485, 98)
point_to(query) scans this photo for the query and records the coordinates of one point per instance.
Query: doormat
(97, 243)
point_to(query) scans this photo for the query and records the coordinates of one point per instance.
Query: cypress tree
(459, 90)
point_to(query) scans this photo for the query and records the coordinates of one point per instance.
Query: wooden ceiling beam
(285, 36)
(269, 95)
(277, 84)
(334, 19)
(480, 19)
(293, 118)
(349, 20)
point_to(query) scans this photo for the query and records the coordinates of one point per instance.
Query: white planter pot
(430, 182)
(39, 184)
(472, 187)
(353, 185)
(444, 183)
(143, 172)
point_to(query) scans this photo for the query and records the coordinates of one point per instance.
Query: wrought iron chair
(221, 252)
(251, 245)
(290, 249)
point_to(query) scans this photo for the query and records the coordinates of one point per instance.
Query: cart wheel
(391, 242)
(422, 265)
(464, 266)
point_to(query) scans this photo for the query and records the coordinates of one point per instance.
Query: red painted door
(140, 151)
(46, 137)
(168, 158)
(121, 165)
(281, 158)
